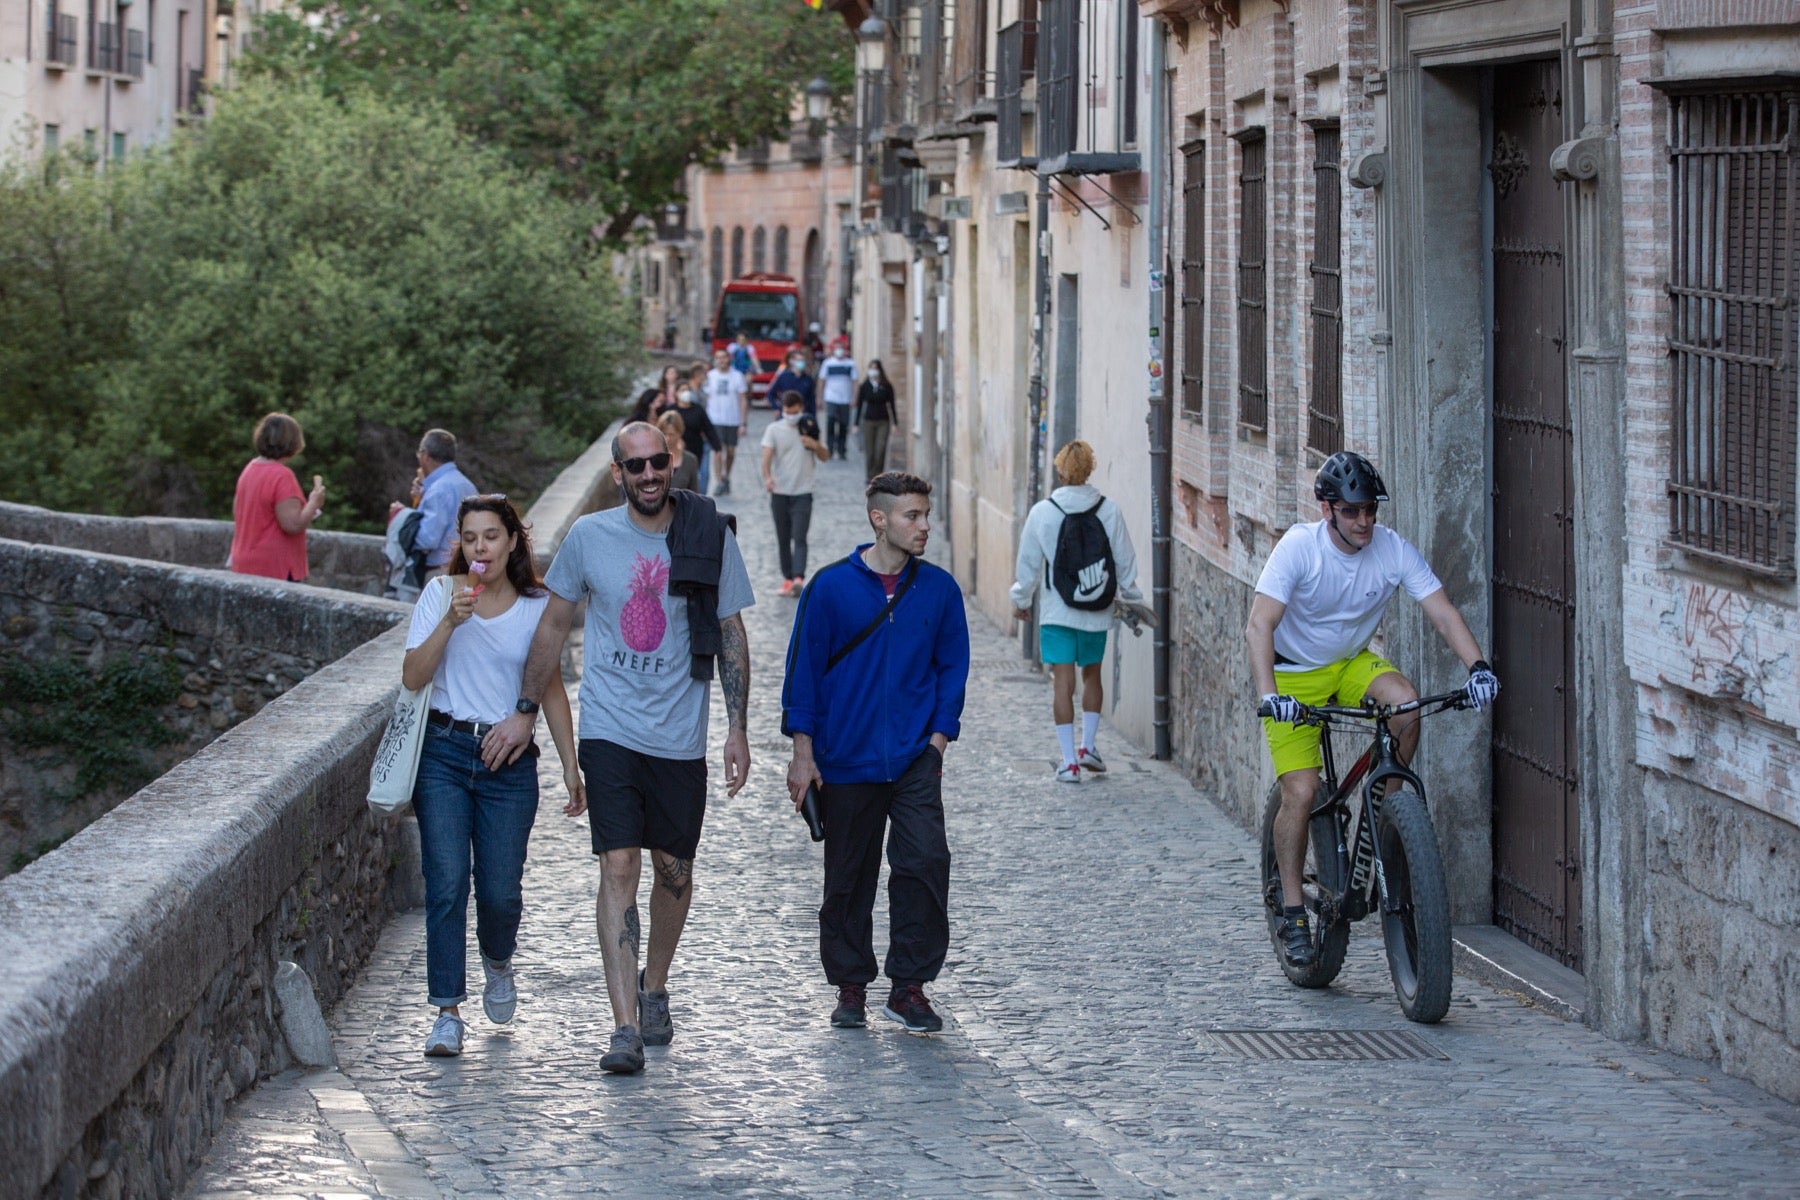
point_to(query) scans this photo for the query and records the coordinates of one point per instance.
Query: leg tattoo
(674, 875)
(628, 936)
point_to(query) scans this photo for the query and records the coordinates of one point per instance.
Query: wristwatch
(528, 707)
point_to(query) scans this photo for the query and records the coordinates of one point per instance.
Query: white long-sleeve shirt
(1037, 552)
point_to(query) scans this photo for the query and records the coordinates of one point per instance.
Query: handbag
(396, 766)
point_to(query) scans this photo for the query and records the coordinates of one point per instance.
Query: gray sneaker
(626, 1055)
(446, 1038)
(500, 997)
(653, 1015)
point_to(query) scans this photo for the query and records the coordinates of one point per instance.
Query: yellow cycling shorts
(1296, 747)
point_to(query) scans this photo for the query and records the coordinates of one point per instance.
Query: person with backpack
(1076, 552)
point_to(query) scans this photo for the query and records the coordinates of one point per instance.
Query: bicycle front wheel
(1415, 908)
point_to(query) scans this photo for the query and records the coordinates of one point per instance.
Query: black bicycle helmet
(1348, 478)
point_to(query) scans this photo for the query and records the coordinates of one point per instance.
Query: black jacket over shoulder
(696, 558)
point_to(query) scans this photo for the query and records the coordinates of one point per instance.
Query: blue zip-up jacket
(871, 716)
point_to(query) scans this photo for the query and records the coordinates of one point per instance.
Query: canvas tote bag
(396, 765)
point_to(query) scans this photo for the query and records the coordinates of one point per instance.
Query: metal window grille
(63, 33)
(759, 249)
(105, 48)
(134, 53)
(1016, 50)
(1193, 280)
(718, 259)
(1253, 366)
(737, 251)
(1130, 17)
(1734, 268)
(970, 56)
(781, 250)
(1058, 76)
(1325, 407)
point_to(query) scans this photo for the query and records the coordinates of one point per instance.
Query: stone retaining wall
(136, 1000)
(350, 561)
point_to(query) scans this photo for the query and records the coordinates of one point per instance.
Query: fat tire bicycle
(1376, 855)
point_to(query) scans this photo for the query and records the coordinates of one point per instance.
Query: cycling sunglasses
(635, 466)
(1353, 511)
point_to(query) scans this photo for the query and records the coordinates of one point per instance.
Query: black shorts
(638, 800)
(727, 434)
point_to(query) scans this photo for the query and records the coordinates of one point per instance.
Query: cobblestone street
(1100, 934)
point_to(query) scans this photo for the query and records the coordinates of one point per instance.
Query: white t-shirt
(793, 463)
(1335, 600)
(478, 677)
(725, 397)
(839, 376)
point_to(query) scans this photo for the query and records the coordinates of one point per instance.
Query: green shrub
(107, 720)
(356, 263)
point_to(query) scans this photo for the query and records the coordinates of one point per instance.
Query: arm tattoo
(628, 936)
(674, 875)
(734, 670)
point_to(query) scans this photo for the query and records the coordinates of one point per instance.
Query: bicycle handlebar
(1316, 713)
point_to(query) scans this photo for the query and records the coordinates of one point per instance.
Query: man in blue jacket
(876, 670)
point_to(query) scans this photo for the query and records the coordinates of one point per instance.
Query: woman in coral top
(269, 515)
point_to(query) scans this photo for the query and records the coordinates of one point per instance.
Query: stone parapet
(350, 561)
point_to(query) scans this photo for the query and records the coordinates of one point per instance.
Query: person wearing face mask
(791, 450)
(874, 415)
(697, 432)
(838, 377)
(794, 378)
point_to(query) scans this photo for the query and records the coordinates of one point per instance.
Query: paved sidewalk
(1101, 933)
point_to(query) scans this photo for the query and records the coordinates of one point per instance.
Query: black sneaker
(625, 1056)
(1296, 937)
(907, 1004)
(851, 1011)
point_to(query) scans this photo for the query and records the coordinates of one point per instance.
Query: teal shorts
(1060, 644)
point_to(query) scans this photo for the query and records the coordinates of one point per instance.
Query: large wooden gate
(1537, 839)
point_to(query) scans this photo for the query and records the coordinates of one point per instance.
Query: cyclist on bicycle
(1320, 597)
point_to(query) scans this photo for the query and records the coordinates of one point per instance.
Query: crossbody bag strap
(869, 631)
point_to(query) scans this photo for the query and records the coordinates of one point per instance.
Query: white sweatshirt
(1037, 551)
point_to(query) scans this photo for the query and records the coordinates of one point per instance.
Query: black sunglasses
(635, 466)
(1353, 511)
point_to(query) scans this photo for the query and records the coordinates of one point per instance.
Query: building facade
(1537, 259)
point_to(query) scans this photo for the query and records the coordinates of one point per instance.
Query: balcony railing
(756, 153)
(972, 91)
(1017, 54)
(193, 96)
(902, 195)
(61, 41)
(1070, 43)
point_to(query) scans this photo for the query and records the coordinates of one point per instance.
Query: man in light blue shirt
(437, 494)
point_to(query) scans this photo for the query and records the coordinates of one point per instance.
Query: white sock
(1090, 721)
(1065, 736)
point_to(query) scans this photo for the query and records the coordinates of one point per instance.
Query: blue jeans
(705, 468)
(469, 813)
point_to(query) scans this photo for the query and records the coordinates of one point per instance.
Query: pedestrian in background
(743, 356)
(684, 468)
(791, 450)
(1077, 594)
(794, 377)
(728, 407)
(837, 380)
(878, 663)
(473, 655)
(659, 398)
(269, 514)
(438, 488)
(665, 588)
(874, 415)
(697, 432)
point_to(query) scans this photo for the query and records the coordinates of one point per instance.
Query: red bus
(766, 308)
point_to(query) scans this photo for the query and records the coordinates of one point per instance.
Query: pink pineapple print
(641, 621)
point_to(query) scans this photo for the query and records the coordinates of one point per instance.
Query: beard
(643, 509)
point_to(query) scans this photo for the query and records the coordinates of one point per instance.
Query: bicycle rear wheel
(1320, 877)
(1415, 907)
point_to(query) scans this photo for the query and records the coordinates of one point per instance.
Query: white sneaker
(1091, 761)
(499, 997)
(446, 1040)
(1068, 773)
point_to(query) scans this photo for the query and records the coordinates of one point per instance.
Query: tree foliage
(357, 263)
(615, 97)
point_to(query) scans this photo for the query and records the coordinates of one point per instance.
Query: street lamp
(818, 108)
(871, 46)
(818, 100)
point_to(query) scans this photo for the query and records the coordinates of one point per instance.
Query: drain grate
(1328, 1045)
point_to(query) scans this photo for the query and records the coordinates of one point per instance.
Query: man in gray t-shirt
(643, 722)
